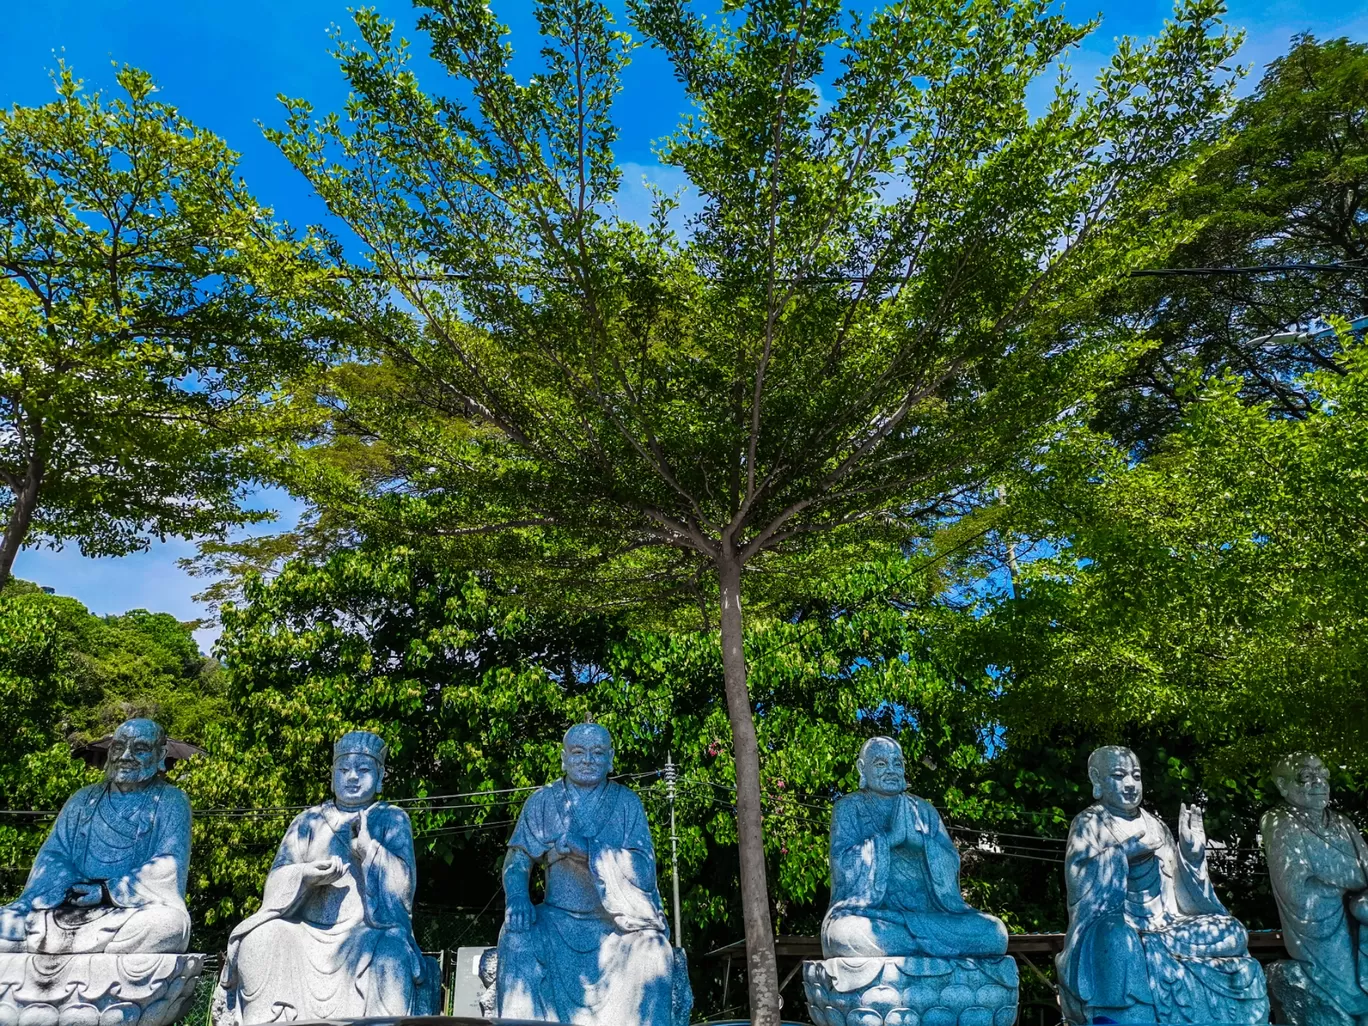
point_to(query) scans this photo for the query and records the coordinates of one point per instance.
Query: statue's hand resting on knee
(1358, 907)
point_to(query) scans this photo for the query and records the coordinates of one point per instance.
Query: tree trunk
(21, 517)
(762, 973)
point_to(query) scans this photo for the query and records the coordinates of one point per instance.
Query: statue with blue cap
(334, 936)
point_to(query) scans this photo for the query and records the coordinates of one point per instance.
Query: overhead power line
(15, 271)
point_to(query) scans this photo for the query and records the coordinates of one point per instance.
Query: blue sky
(224, 64)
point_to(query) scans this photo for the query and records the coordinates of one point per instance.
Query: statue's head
(358, 769)
(881, 766)
(1303, 781)
(137, 753)
(587, 755)
(1115, 775)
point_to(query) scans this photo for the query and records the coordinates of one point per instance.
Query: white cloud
(148, 580)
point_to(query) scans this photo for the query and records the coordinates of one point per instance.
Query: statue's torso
(1151, 902)
(569, 883)
(339, 903)
(116, 831)
(570, 886)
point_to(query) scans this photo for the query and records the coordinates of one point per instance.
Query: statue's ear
(161, 760)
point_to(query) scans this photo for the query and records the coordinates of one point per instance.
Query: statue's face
(356, 779)
(1308, 786)
(587, 757)
(135, 754)
(1117, 783)
(883, 769)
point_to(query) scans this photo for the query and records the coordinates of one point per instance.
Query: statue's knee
(850, 936)
(994, 934)
(153, 929)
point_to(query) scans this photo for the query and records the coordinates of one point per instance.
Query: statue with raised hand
(111, 876)
(334, 936)
(1148, 939)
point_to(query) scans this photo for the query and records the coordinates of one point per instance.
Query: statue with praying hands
(899, 941)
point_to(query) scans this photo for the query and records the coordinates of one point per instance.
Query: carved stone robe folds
(1148, 930)
(899, 899)
(138, 844)
(1316, 862)
(599, 950)
(342, 950)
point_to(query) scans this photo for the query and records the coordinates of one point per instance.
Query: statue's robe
(1147, 932)
(137, 843)
(1316, 862)
(342, 950)
(598, 952)
(899, 899)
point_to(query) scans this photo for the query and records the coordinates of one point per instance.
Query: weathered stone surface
(597, 951)
(912, 991)
(1148, 939)
(1318, 865)
(96, 989)
(334, 937)
(1297, 1001)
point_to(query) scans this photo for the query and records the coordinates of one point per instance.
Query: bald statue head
(1115, 775)
(1303, 781)
(587, 755)
(137, 753)
(881, 766)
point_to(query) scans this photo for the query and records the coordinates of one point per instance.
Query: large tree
(1288, 193)
(147, 303)
(886, 293)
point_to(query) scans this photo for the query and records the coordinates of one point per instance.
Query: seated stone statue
(1148, 939)
(1318, 863)
(333, 938)
(111, 876)
(895, 873)
(596, 951)
(901, 945)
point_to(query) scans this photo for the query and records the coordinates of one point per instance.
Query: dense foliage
(1286, 192)
(146, 303)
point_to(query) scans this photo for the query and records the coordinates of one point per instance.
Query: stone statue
(111, 875)
(333, 938)
(1318, 864)
(102, 923)
(1148, 939)
(597, 951)
(899, 940)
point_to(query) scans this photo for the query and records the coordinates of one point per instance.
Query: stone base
(96, 990)
(1296, 1002)
(912, 991)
